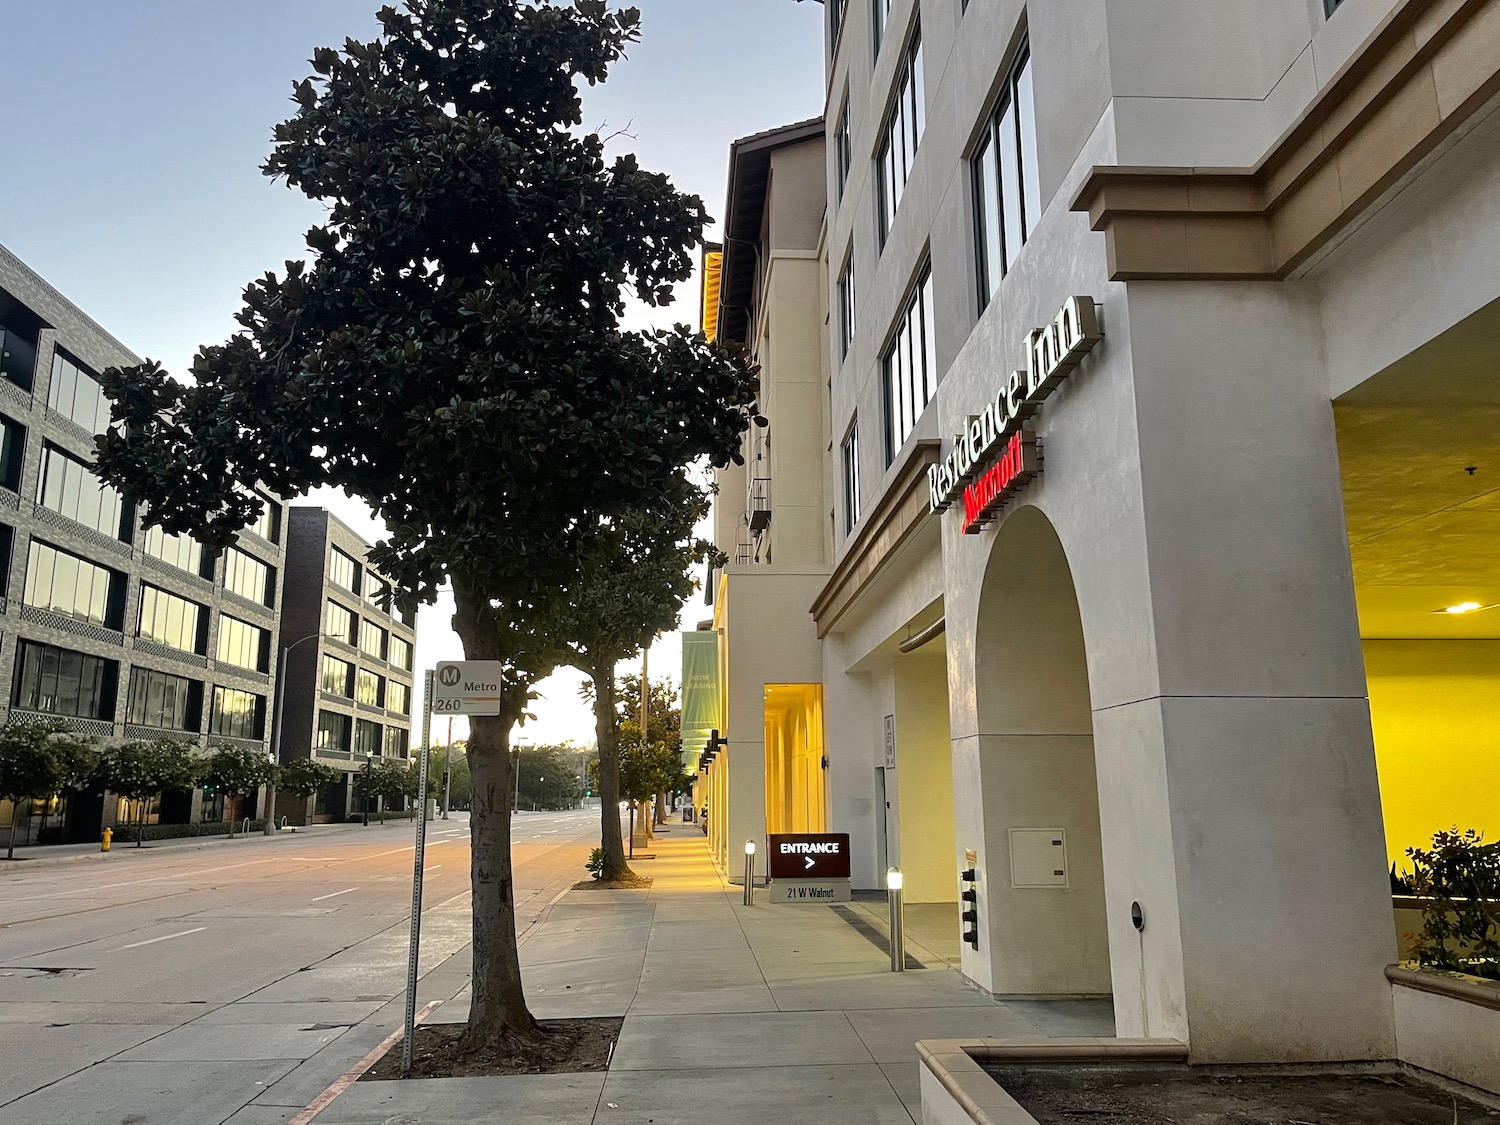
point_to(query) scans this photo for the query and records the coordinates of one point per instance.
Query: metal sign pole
(416, 880)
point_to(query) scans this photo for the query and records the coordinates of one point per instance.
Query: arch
(1042, 933)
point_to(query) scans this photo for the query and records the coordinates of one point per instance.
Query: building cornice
(1423, 74)
(895, 518)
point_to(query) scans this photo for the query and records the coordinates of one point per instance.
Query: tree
(463, 301)
(548, 778)
(663, 721)
(645, 768)
(391, 780)
(636, 579)
(39, 759)
(139, 771)
(434, 776)
(238, 771)
(304, 777)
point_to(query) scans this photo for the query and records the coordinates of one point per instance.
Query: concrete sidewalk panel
(290, 1013)
(891, 1034)
(927, 988)
(792, 1095)
(311, 1077)
(1069, 1019)
(705, 1001)
(770, 1039)
(34, 1055)
(160, 1093)
(232, 1043)
(546, 1099)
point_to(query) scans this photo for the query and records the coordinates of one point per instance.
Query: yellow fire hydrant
(104, 843)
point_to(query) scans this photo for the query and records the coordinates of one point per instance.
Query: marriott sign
(1051, 355)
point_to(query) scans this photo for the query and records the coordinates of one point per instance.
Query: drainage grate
(879, 940)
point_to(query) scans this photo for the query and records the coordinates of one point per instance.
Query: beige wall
(924, 778)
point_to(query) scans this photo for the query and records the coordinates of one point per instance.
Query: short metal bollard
(749, 872)
(893, 882)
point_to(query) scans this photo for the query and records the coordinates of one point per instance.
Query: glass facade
(170, 620)
(336, 677)
(64, 583)
(910, 368)
(242, 644)
(333, 731)
(372, 640)
(159, 699)
(237, 714)
(900, 137)
(343, 571)
(248, 577)
(68, 487)
(370, 688)
(76, 394)
(182, 551)
(58, 681)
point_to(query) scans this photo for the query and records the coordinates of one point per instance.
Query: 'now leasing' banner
(700, 694)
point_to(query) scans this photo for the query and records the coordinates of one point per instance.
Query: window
(1007, 193)
(170, 620)
(843, 153)
(248, 577)
(343, 571)
(846, 305)
(366, 737)
(336, 677)
(68, 487)
(244, 645)
(372, 640)
(851, 478)
(375, 589)
(341, 623)
(237, 714)
(910, 368)
(397, 742)
(835, 20)
(333, 731)
(901, 135)
(12, 453)
(76, 394)
(182, 551)
(401, 653)
(881, 14)
(370, 689)
(268, 524)
(398, 698)
(18, 348)
(57, 681)
(158, 699)
(1330, 6)
(64, 583)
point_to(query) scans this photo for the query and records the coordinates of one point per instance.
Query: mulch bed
(568, 1047)
(633, 883)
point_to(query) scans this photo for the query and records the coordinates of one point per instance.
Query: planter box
(1449, 1024)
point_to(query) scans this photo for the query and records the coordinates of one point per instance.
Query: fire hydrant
(104, 843)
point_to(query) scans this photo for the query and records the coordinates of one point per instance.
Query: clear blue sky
(135, 131)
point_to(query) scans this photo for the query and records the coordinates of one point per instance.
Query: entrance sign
(467, 687)
(809, 857)
(1051, 355)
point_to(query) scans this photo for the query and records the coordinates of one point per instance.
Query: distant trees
(393, 781)
(37, 760)
(235, 771)
(548, 778)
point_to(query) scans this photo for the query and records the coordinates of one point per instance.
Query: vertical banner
(700, 694)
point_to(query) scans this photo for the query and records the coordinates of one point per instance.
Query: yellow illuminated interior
(713, 267)
(795, 787)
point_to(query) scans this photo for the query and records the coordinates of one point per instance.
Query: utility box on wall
(1038, 857)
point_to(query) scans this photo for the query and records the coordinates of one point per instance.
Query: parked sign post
(415, 950)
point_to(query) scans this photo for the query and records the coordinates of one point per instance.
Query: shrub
(185, 831)
(595, 863)
(1460, 876)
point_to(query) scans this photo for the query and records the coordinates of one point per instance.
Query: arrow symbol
(811, 863)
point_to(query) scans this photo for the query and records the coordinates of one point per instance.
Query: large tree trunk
(498, 1014)
(606, 734)
(15, 815)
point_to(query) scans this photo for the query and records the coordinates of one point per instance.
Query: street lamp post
(270, 827)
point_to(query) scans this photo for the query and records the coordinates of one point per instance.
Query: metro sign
(809, 856)
(1051, 355)
(467, 687)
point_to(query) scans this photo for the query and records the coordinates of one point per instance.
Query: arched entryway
(1042, 925)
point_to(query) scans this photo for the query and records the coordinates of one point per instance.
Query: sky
(135, 132)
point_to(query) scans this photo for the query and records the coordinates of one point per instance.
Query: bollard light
(893, 882)
(749, 847)
(749, 872)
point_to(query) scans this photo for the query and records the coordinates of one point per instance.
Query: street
(206, 975)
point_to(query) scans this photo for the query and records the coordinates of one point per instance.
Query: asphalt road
(180, 984)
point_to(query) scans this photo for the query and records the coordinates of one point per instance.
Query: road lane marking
(336, 894)
(153, 941)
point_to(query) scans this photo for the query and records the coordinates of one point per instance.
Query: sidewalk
(734, 1015)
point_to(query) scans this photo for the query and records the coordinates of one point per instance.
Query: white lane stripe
(336, 894)
(434, 867)
(153, 941)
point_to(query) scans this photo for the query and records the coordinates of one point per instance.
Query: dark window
(61, 582)
(58, 681)
(158, 699)
(75, 393)
(397, 740)
(7, 547)
(1007, 192)
(68, 487)
(1330, 6)
(248, 577)
(851, 478)
(238, 714)
(170, 620)
(366, 737)
(12, 453)
(846, 305)
(843, 153)
(835, 21)
(880, 15)
(900, 137)
(18, 337)
(333, 731)
(243, 644)
(910, 366)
